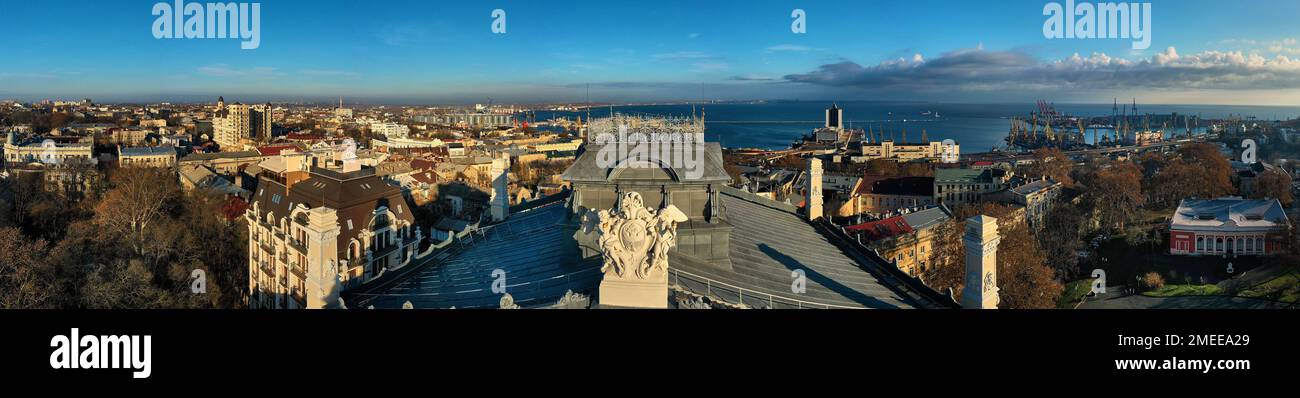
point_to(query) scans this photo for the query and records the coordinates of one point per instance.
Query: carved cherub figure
(633, 237)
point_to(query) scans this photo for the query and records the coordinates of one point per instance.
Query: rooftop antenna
(588, 110)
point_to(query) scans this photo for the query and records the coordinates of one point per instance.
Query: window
(1200, 243)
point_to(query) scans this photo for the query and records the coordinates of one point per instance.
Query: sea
(976, 127)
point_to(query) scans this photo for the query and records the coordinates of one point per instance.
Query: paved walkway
(1118, 301)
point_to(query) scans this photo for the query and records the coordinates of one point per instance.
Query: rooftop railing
(736, 294)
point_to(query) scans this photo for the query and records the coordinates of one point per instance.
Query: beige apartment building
(312, 238)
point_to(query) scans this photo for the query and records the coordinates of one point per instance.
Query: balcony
(296, 244)
(299, 297)
(267, 269)
(298, 269)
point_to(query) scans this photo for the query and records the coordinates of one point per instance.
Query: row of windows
(1238, 245)
(963, 187)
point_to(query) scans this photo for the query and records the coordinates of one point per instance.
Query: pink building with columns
(1228, 226)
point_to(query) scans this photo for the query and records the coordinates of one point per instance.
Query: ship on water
(1047, 127)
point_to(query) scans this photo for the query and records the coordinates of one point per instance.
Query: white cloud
(980, 70)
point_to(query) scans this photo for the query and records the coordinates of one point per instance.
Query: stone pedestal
(651, 292)
(634, 243)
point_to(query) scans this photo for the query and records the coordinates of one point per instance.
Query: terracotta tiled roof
(882, 229)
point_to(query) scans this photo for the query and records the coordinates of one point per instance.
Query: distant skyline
(420, 52)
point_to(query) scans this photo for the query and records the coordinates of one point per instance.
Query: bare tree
(139, 197)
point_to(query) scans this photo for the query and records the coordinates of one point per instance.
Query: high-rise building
(834, 117)
(231, 125)
(260, 118)
(237, 123)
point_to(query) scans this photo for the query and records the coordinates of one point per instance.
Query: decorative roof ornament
(571, 299)
(349, 149)
(508, 302)
(635, 239)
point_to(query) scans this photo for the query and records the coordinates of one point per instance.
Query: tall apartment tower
(814, 188)
(231, 125)
(834, 117)
(981, 241)
(259, 120)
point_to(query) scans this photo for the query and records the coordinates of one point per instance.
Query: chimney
(500, 188)
(981, 240)
(351, 165)
(814, 189)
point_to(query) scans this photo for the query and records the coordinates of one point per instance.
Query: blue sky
(1242, 52)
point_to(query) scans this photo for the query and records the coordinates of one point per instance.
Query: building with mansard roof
(318, 230)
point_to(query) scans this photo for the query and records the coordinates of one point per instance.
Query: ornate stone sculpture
(634, 243)
(508, 302)
(572, 300)
(635, 239)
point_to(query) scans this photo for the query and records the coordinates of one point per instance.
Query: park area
(1141, 274)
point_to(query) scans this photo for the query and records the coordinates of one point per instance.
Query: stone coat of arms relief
(635, 241)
